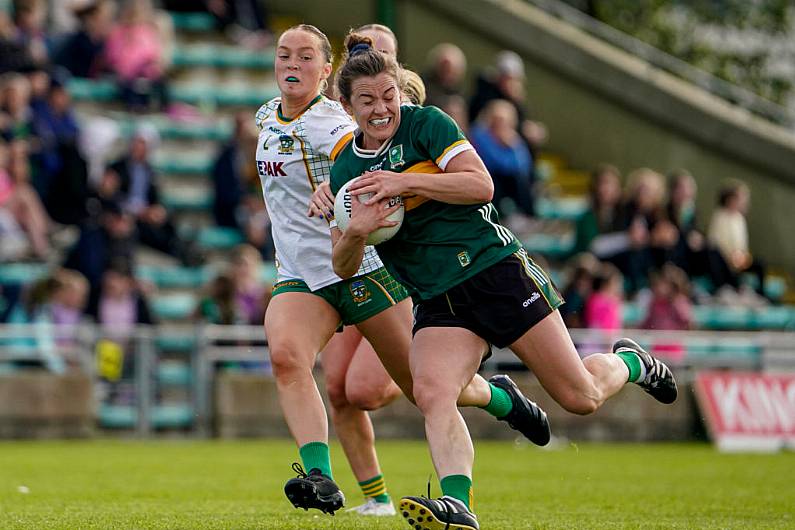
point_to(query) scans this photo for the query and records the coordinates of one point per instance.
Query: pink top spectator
(134, 51)
(669, 314)
(603, 311)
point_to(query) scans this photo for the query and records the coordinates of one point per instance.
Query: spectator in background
(14, 57)
(121, 304)
(238, 200)
(59, 299)
(244, 21)
(106, 236)
(219, 305)
(135, 53)
(132, 182)
(456, 108)
(384, 39)
(23, 202)
(505, 155)
(692, 252)
(603, 309)
(579, 289)
(30, 17)
(64, 173)
(82, 51)
(14, 243)
(642, 211)
(251, 296)
(444, 74)
(728, 230)
(670, 306)
(600, 222)
(16, 116)
(507, 81)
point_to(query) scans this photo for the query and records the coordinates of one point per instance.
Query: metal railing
(721, 88)
(204, 349)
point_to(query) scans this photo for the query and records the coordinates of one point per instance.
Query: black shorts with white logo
(499, 304)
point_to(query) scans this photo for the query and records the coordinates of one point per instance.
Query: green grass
(238, 485)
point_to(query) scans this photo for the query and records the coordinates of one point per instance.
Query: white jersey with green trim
(293, 158)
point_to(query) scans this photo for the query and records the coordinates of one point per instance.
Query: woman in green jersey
(472, 282)
(301, 133)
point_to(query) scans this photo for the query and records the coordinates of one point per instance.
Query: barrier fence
(151, 378)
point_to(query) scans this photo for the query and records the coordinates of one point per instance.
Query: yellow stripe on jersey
(449, 148)
(410, 200)
(340, 146)
(306, 162)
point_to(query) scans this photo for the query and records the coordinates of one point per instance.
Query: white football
(342, 213)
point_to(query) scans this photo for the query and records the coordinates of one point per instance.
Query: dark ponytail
(362, 60)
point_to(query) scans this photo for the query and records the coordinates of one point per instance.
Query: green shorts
(355, 299)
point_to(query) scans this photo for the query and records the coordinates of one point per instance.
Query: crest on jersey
(286, 145)
(464, 259)
(396, 156)
(359, 291)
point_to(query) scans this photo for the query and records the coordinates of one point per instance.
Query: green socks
(635, 367)
(315, 455)
(458, 487)
(500, 404)
(376, 488)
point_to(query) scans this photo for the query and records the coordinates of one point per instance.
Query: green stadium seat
(22, 273)
(550, 245)
(269, 272)
(177, 343)
(633, 314)
(177, 306)
(775, 317)
(569, 208)
(168, 129)
(163, 416)
(174, 276)
(92, 90)
(219, 237)
(176, 164)
(720, 317)
(172, 416)
(195, 199)
(198, 22)
(117, 416)
(104, 90)
(174, 373)
(222, 95)
(222, 56)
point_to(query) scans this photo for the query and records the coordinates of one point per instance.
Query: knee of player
(428, 396)
(579, 402)
(369, 398)
(286, 360)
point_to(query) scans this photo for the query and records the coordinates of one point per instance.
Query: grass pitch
(238, 485)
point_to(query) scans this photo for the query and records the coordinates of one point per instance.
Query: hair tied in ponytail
(360, 48)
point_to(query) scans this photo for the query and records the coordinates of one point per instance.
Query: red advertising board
(747, 411)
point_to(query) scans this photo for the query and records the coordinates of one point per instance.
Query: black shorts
(499, 304)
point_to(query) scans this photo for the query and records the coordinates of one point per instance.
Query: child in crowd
(603, 310)
(579, 289)
(670, 306)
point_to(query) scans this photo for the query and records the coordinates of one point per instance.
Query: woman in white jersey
(301, 133)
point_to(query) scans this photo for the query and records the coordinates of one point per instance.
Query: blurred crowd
(641, 238)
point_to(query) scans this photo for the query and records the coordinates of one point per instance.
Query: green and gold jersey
(439, 245)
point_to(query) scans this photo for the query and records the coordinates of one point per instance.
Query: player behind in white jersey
(301, 133)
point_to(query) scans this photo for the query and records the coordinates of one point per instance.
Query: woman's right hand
(321, 204)
(367, 218)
